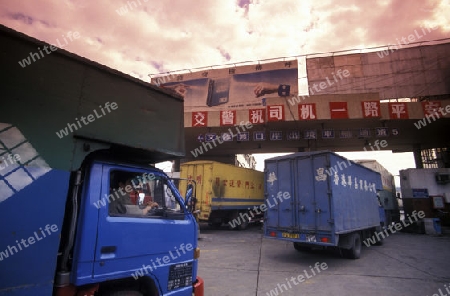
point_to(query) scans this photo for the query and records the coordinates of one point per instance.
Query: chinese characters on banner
(371, 109)
(398, 110)
(327, 134)
(338, 110)
(227, 117)
(275, 113)
(257, 116)
(276, 135)
(199, 119)
(430, 108)
(307, 111)
(382, 132)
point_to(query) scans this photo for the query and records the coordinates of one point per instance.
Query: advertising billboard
(242, 87)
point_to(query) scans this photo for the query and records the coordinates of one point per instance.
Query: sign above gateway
(242, 87)
(352, 99)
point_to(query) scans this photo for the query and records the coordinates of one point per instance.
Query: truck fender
(354, 252)
(344, 241)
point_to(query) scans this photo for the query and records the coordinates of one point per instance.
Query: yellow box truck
(224, 193)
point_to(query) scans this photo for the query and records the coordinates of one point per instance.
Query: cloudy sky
(142, 37)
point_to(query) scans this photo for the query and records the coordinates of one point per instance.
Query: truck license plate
(310, 238)
(290, 235)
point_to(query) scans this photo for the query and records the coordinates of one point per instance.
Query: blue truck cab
(83, 209)
(321, 200)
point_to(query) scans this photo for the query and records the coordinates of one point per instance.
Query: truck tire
(380, 241)
(243, 222)
(215, 225)
(242, 226)
(355, 251)
(301, 248)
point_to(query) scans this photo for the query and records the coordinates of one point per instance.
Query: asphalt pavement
(242, 263)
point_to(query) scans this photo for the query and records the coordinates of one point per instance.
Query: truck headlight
(197, 253)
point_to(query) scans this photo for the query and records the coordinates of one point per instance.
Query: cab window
(141, 195)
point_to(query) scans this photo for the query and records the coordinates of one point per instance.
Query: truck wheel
(355, 251)
(302, 248)
(236, 218)
(215, 225)
(380, 241)
(243, 225)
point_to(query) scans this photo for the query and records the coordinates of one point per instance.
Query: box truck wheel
(240, 222)
(355, 251)
(380, 241)
(215, 225)
(243, 225)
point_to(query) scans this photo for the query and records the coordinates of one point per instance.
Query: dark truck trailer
(333, 201)
(388, 196)
(77, 132)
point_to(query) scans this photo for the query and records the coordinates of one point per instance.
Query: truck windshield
(143, 195)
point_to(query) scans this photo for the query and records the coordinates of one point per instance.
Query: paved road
(241, 263)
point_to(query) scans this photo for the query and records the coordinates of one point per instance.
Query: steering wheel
(121, 209)
(156, 211)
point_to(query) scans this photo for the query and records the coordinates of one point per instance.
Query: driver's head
(123, 184)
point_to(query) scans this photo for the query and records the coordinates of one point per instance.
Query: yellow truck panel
(223, 191)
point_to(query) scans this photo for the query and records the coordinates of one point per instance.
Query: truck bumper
(199, 287)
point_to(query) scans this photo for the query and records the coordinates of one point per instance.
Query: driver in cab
(125, 205)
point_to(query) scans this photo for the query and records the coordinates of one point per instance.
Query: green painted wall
(57, 89)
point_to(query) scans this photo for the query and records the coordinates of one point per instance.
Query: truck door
(279, 183)
(312, 204)
(322, 191)
(128, 238)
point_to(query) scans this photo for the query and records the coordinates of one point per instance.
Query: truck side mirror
(189, 191)
(190, 197)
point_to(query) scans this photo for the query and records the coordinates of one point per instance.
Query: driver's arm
(150, 205)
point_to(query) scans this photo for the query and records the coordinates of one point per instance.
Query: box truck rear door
(279, 191)
(322, 193)
(312, 199)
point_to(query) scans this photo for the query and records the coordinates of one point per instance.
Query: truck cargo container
(388, 196)
(224, 193)
(83, 138)
(333, 201)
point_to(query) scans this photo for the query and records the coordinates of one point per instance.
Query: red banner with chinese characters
(199, 118)
(338, 110)
(371, 109)
(227, 117)
(398, 110)
(257, 116)
(307, 111)
(275, 113)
